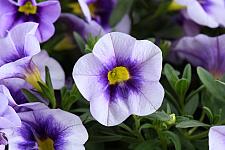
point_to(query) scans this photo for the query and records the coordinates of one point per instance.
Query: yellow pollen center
(175, 6)
(118, 75)
(33, 78)
(28, 8)
(77, 9)
(46, 144)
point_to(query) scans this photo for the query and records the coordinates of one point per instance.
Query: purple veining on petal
(42, 129)
(205, 4)
(122, 90)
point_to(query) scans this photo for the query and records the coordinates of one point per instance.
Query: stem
(174, 101)
(137, 126)
(198, 136)
(201, 119)
(163, 141)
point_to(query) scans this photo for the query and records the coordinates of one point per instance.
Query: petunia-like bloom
(217, 138)
(209, 13)
(48, 129)
(204, 51)
(120, 78)
(22, 58)
(45, 13)
(96, 18)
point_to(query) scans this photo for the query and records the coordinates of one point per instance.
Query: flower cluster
(90, 74)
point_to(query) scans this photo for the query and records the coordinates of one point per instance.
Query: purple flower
(45, 13)
(97, 14)
(120, 78)
(48, 129)
(217, 138)
(8, 116)
(22, 60)
(204, 51)
(209, 13)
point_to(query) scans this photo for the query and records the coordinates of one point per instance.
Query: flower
(204, 51)
(217, 138)
(205, 12)
(20, 61)
(45, 13)
(8, 116)
(120, 78)
(48, 129)
(97, 15)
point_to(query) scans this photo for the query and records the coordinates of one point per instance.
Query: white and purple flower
(45, 13)
(22, 60)
(120, 78)
(48, 129)
(217, 138)
(204, 51)
(209, 13)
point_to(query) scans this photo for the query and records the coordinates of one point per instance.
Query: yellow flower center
(175, 6)
(118, 75)
(33, 78)
(77, 9)
(46, 144)
(28, 8)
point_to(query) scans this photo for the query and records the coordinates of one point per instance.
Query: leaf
(171, 75)
(187, 73)
(30, 96)
(174, 138)
(147, 145)
(191, 123)
(160, 116)
(181, 87)
(191, 106)
(209, 82)
(209, 114)
(79, 40)
(48, 78)
(122, 7)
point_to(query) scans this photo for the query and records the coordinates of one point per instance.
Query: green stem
(201, 119)
(137, 126)
(198, 136)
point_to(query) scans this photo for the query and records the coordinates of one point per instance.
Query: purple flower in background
(48, 129)
(45, 13)
(209, 13)
(217, 138)
(204, 51)
(120, 78)
(97, 14)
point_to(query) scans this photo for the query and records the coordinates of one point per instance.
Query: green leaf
(209, 82)
(122, 7)
(48, 78)
(191, 123)
(191, 106)
(69, 97)
(209, 114)
(79, 40)
(160, 116)
(30, 96)
(148, 145)
(181, 87)
(171, 75)
(174, 138)
(187, 73)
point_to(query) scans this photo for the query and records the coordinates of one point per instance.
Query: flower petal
(124, 25)
(149, 57)
(49, 10)
(109, 113)
(10, 119)
(57, 74)
(148, 100)
(85, 10)
(7, 21)
(86, 74)
(45, 31)
(217, 138)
